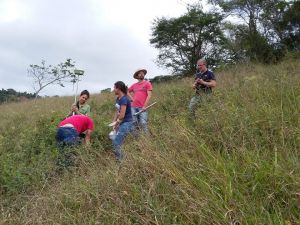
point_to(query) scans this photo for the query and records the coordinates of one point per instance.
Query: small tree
(44, 75)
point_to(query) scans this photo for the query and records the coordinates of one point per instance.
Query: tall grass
(237, 163)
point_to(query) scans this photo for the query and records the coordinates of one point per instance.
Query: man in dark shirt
(204, 82)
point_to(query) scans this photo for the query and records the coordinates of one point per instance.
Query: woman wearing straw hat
(140, 94)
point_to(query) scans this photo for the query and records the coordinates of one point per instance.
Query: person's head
(84, 96)
(202, 65)
(120, 87)
(140, 74)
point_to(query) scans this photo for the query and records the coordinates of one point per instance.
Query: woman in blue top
(123, 118)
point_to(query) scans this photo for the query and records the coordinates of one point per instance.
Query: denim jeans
(124, 129)
(197, 100)
(141, 120)
(66, 137)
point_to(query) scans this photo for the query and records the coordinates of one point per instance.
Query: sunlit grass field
(237, 163)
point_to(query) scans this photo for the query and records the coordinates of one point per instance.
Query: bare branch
(44, 75)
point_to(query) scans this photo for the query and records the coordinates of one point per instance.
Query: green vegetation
(10, 95)
(182, 41)
(238, 162)
(265, 32)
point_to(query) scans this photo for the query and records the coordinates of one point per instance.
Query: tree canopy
(265, 32)
(181, 41)
(271, 27)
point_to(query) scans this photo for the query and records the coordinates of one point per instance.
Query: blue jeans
(67, 136)
(141, 120)
(124, 129)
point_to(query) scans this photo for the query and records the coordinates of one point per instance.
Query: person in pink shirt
(70, 128)
(140, 94)
(67, 135)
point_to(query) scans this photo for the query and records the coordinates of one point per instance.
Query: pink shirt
(140, 94)
(80, 122)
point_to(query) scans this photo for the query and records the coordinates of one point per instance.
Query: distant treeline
(10, 95)
(165, 78)
(261, 31)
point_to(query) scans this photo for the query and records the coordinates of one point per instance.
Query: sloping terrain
(237, 162)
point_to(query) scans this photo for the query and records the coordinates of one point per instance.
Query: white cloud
(108, 39)
(13, 10)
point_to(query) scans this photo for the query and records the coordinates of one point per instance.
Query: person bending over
(68, 135)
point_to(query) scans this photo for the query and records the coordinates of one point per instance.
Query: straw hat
(137, 72)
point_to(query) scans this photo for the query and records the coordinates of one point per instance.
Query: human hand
(116, 126)
(87, 143)
(200, 81)
(74, 108)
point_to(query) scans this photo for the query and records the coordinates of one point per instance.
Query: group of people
(131, 114)
(131, 109)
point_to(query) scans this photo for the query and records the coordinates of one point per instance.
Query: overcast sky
(108, 39)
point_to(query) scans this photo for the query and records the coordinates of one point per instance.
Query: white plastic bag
(112, 135)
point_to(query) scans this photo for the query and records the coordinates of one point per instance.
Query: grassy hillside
(238, 163)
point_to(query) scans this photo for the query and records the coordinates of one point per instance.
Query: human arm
(149, 94)
(130, 93)
(119, 116)
(130, 96)
(89, 127)
(83, 110)
(88, 134)
(195, 84)
(115, 116)
(149, 88)
(211, 83)
(114, 121)
(88, 111)
(74, 109)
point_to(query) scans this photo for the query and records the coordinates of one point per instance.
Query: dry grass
(238, 163)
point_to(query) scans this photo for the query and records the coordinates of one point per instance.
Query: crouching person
(122, 119)
(67, 136)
